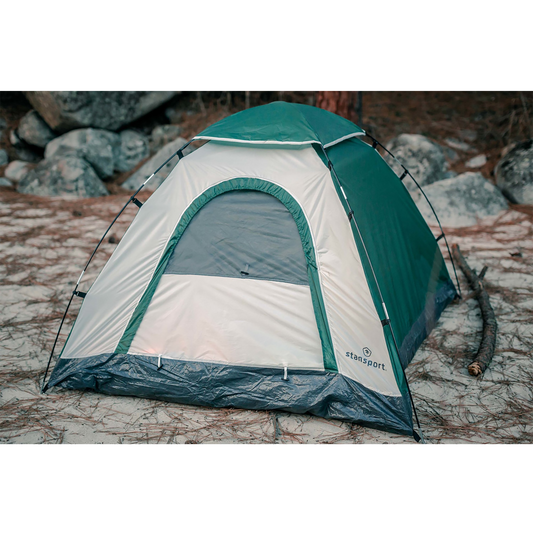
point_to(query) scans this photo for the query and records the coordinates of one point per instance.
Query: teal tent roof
(283, 123)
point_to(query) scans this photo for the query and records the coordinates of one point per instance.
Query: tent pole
(132, 199)
(387, 320)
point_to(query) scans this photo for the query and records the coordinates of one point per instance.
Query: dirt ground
(45, 242)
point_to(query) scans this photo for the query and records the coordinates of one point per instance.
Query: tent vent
(137, 202)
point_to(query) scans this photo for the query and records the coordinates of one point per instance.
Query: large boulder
(34, 130)
(138, 178)
(514, 173)
(424, 158)
(133, 149)
(164, 134)
(105, 150)
(461, 201)
(67, 176)
(98, 147)
(67, 110)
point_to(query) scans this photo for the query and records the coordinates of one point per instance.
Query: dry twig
(490, 326)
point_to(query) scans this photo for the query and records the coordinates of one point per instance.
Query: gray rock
(456, 144)
(23, 149)
(133, 149)
(451, 174)
(462, 201)
(137, 179)
(4, 182)
(4, 158)
(67, 110)
(514, 173)
(17, 169)
(174, 115)
(14, 139)
(422, 157)
(98, 147)
(162, 135)
(476, 162)
(34, 130)
(68, 176)
(451, 155)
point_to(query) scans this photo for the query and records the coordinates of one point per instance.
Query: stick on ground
(490, 326)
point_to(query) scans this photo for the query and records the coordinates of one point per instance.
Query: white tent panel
(231, 320)
(353, 320)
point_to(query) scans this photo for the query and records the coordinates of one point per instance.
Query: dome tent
(281, 265)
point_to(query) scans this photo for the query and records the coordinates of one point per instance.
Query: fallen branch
(490, 326)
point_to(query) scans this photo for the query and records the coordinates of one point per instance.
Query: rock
(4, 158)
(3, 125)
(67, 176)
(133, 149)
(451, 155)
(23, 149)
(4, 182)
(17, 169)
(137, 179)
(423, 158)
(461, 201)
(162, 135)
(514, 173)
(98, 147)
(14, 139)
(34, 130)
(67, 110)
(450, 174)
(174, 115)
(476, 162)
(458, 145)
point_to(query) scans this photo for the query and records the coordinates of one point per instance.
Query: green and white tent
(281, 265)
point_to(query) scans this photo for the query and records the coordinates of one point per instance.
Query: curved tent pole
(387, 321)
(376, 143)
(75, 292)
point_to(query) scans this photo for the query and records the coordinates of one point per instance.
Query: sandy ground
(44, 244)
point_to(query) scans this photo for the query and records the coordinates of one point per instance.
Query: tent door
(239, 284)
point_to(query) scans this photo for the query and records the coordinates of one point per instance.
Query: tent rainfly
(281, 265)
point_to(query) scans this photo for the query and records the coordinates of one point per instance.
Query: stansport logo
(365, 359)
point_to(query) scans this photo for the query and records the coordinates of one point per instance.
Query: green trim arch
(297, 213)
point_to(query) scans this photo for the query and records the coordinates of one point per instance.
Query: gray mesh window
(244, 234)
